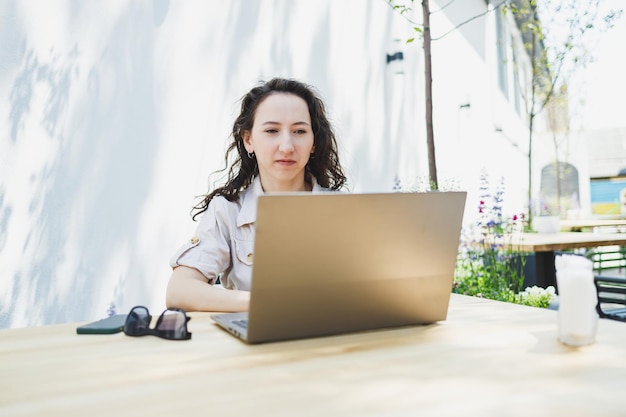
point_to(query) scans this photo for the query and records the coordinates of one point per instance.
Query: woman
(282, 141)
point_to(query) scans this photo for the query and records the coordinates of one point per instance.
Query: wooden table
(487, 359)
(544, 246)
(578, 225)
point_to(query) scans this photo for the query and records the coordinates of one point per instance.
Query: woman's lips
(285, 162)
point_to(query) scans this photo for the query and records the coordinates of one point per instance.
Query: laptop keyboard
(242, 322)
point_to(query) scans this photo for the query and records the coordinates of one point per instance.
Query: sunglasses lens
(137, 322)
(173, 325)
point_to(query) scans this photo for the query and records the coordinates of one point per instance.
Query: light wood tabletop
(581, 224)
(547, 242)
(544, 245)
(487, 359)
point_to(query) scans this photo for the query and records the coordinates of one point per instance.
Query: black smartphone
(109, 325)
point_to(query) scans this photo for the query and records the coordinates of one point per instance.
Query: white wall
(114, 112)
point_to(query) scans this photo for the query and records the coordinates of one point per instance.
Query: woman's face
(282, 140)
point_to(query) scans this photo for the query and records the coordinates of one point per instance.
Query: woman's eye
(271, 131)
(300, 132)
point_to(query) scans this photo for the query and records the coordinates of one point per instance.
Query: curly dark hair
(323, 164)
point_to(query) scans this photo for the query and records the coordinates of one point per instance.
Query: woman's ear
(245, 136)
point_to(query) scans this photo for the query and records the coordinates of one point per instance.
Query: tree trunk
(531, 120)
(430, 137)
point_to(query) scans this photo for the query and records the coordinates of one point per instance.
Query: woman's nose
(286, 143)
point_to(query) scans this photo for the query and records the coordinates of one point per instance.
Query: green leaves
(487, 266)
(405, 11)
(400, 8)
(417, 29)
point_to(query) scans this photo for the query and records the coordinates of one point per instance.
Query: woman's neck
(304, 184)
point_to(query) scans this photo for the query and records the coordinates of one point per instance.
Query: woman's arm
(188, 289)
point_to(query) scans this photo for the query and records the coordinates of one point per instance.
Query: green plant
(422, 184)
(536, 296)
(488, 266)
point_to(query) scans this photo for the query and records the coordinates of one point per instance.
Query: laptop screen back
(332, 262)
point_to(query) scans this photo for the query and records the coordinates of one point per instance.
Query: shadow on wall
(91, 130)
(87, 197)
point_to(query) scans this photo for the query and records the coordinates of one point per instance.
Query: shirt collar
(247, 214)
(249, 197)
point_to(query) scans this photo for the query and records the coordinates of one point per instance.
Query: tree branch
(468, 20)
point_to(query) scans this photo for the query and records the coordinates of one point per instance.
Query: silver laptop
(333, 263)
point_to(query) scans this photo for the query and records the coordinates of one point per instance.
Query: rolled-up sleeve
(208, 250)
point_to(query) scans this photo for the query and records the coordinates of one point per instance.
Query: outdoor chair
(611, 297)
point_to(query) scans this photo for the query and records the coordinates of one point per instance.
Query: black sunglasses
(172, 324)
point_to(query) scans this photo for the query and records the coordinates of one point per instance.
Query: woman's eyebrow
(269, 122)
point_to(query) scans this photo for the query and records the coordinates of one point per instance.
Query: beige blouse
(224, 241)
